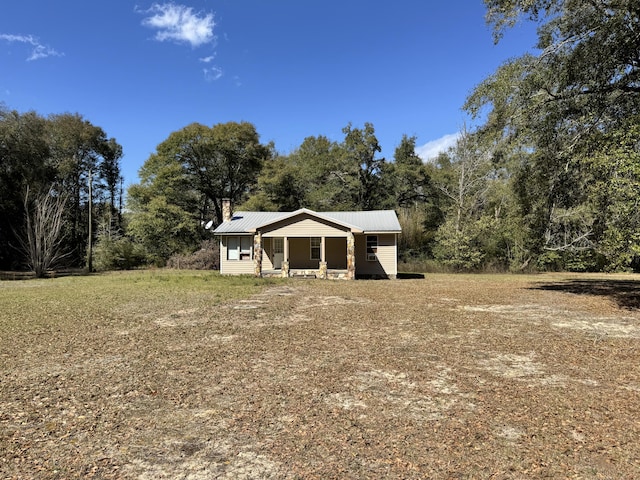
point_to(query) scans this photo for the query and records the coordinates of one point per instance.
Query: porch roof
(374, 221)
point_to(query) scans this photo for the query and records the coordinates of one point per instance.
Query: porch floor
(332, 273)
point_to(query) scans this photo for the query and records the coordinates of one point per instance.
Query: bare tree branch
(43, 236)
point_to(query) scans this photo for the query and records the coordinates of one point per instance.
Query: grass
(163, 374)
(72, 300)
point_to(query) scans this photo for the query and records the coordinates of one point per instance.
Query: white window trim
(238, 254)
(373, 255)
(312, 247)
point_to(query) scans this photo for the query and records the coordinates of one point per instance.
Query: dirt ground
(443, 377)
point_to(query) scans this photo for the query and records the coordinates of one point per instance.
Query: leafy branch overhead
(551, 115)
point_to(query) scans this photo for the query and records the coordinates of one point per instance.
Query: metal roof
(369, 221)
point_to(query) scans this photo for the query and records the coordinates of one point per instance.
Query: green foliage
(457, 249)
(418, 232)
(163, 230)
(324, 175)
(57, 153)
(368, 189)
(117, 253)
(410, 179)
(615, 191)
(550, 180)
(183, 183)
(553, 119)
(219, 162)
(82, 153)
(24, 155)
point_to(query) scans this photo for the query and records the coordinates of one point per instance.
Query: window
(239, 248)
(315, 248)
(372, 248)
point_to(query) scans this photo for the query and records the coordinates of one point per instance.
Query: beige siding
(300, 254)
(336, 253)
(233, 267)
(386, 262)
(267, 254)
(304, 226)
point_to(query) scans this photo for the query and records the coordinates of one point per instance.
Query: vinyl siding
(267, 254)
(304, 226)
(336, 253)
(233, 267)
(300, 254)
(387, 255)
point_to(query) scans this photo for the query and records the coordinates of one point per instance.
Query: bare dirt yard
(443, 377)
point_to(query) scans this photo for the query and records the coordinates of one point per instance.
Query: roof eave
(301, 211)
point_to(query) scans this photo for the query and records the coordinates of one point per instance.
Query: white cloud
(179, 23)
(39, 50)
(430, 150)
(212, 74)
(208, 59)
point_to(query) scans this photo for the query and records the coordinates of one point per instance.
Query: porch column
(322, 267)
(351, 256)
(257, 254)
(285, 254)
(285, 250)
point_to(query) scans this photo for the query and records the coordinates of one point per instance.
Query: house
(307, 243)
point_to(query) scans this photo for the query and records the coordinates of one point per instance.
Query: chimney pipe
(226, 209)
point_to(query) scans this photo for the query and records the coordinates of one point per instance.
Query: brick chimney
(226, 210)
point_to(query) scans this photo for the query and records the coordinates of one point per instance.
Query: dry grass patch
(206, 377)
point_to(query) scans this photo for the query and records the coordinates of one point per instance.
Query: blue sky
(143, 69)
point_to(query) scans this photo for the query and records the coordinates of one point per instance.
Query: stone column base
(322, 270)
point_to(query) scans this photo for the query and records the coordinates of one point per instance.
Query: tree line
(548, 179)
(58, 176)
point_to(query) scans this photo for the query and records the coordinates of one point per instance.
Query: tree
(43, 232)
(165, 210)
(325, 181)
(415, 197)
(109, 171)
(280, 187)
(164, 229)
(547, 111)
(80, 153)
(222, 161)
(411, 180)
(361, 147)
(54, 154)
(184, 181)
(325, 175)
(615, 196)
(24, 155)
(464, 178)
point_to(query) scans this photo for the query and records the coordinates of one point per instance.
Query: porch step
(303, 275)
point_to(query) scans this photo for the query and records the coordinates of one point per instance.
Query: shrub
(117, 253)
(207, 258)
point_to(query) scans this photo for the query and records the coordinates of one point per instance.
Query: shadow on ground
(408, 275)
(626, 293)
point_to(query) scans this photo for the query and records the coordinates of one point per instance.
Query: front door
(278, 252)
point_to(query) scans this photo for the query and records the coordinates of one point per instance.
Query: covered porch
(325, 257)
